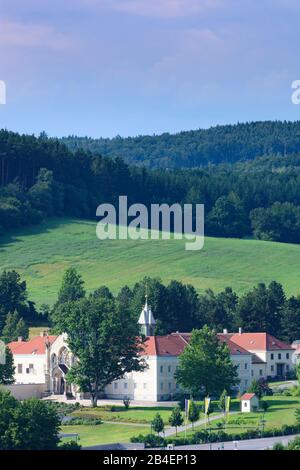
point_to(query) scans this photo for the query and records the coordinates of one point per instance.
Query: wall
(272, 358)
(256, 371)
(136, 385)
(166, 383)
(244, 363)
(23, 391)
(36, 375)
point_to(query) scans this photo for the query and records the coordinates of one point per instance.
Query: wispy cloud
(164, 8)
(13, 33)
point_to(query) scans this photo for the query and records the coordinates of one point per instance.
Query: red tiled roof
(234, 348)
(247, 396)
(36, 345)
(169, 345)
(258, 341)
(174, 344)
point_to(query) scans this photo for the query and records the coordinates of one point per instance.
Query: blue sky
(129, 67)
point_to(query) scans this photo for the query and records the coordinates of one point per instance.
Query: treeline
(176, 306)
(41, 178)
(230, 143)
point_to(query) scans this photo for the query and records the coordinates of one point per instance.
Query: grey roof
(146, 316)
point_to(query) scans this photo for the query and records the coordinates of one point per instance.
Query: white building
(296, 352)
(272, 357)
(47, 360)
(249, 403)
(31, 359)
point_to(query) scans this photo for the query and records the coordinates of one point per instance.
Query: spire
(147, 320)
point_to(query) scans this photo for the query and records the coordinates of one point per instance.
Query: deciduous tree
(205, 364)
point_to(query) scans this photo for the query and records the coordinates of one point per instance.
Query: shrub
(150, 440)
(64, 408)
(294, 445)
(295, 391)
(83, 420)
(203, 437)
(70, 446)
(126, 402)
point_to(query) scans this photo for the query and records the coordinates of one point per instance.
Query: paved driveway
(250, 444)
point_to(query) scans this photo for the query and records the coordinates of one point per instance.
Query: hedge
(204, 437)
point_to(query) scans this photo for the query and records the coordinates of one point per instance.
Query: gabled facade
(275, 355)
(31, 359)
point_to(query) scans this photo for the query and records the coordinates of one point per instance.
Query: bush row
(204, 437)
(85, 420)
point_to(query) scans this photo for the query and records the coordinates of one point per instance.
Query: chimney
(240, 330)
(225, 331)
(20, 339)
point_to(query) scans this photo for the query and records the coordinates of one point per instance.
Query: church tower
(146, 320)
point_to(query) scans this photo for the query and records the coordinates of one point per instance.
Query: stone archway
(58, 383)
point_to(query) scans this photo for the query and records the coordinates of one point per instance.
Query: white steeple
(147, 320)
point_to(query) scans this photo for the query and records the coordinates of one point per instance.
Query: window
(246, 365)
(287, 367)
(246, 382)
(272, 368)
(252, 373)
(272, 356)
(260, 372)
(161, 385)
(169, 369)
(20, 368)
(279, 355)
(170, 385)
(115, 385)
(245, 404)
(135, 385)
(287, 355)
(144, 386)
(161, 369)
(29, 370)
(125, 385)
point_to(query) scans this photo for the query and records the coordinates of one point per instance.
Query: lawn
(104, 433)
(41, 254)
(281, 411)
(36, 330)
(142, 415)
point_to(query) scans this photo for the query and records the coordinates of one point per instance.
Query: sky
(103, 68)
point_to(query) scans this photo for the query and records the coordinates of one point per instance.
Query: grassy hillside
(42, 253)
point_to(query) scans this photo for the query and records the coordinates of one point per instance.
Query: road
(250, 444)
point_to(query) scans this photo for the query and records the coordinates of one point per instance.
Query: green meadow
(281, 412)
(106, 433)
(42, 253)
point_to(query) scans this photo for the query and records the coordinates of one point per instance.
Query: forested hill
(41, 178)
(230, 143)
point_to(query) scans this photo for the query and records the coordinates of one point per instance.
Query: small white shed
(249, 403)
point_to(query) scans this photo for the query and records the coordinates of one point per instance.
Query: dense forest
(40, 177)
(190, 149)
